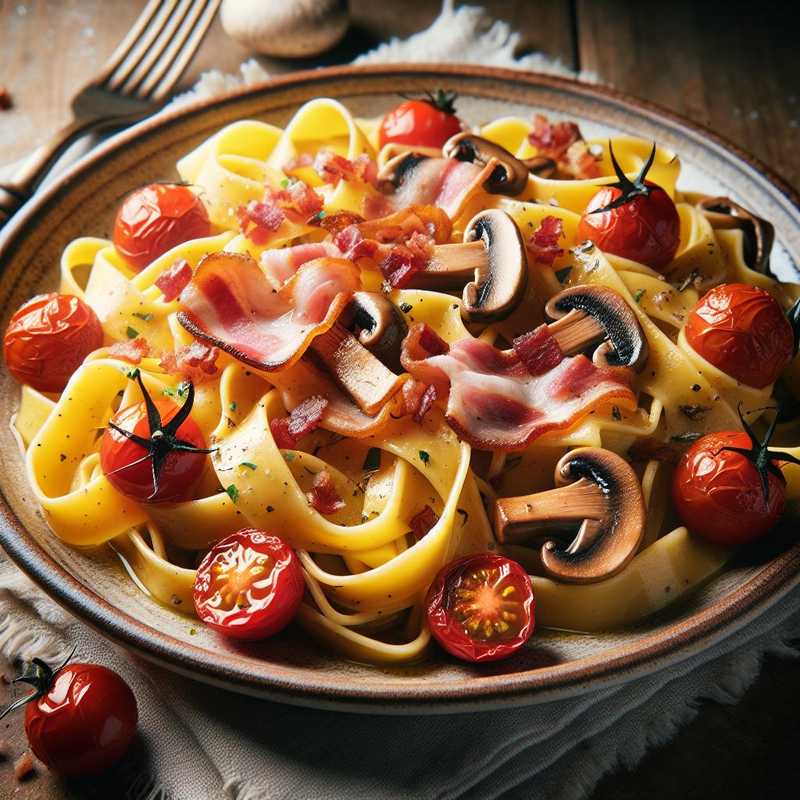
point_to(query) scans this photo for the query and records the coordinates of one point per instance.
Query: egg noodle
(366, 574)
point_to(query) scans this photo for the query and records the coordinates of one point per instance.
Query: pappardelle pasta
(395, 388)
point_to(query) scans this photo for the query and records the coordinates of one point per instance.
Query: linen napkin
(202, 743)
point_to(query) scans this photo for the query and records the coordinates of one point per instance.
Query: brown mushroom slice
(491, 264)
(396, 169)
(597, 515)
(369, 382)
(541, 166)
(759, 235)
(590, 313)
(378, 324)
(509, 177)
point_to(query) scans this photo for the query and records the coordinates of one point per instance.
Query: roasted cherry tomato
(154, 451)
(48, 338)
(742, 331)
(80, 720)
(728, 486)
(249, 585)
(155, 219)
(426, 123)
(481, 608)
(635, 220)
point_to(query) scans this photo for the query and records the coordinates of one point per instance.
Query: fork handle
(22, 184)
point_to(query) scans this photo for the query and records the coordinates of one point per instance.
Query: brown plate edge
(644, 655)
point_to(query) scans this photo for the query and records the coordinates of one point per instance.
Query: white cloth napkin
(200, 743)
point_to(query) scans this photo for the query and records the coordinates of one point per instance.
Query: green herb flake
(372, 462)
(563, 274)
(131, 333)
(143, 316)
(168, 392)
(638, 295)
(183, 387)
(406, 307)
(232, 405)
(249, 465)
(233, 492)
(288, 456)
(192, 631)
(284, 183)
(425, 457)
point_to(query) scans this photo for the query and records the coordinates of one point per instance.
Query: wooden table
(730, 66)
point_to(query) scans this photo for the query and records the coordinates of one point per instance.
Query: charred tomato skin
(418, 122)
(249, 585)
(156, 218)
(84, 722)
(181, 469)
(742, 331)
(481, 578)
(48, 338)
(718, 493)
(645, 229)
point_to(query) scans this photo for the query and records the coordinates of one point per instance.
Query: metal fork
(134, 83)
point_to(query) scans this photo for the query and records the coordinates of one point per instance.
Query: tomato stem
(38, 674)
(629, 189)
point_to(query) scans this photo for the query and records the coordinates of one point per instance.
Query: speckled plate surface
(291, 668)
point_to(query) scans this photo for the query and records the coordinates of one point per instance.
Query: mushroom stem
(357, 371)
(454, 265)
(596, 514)
(575, 331)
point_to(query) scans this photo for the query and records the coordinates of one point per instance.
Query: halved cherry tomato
(742, 331)
(83, 719)
(155, 219)
(481, 607)
(426, 123)
(48, 338)
(249, 585)
(728, 488)
(129, 466)
(633, 219)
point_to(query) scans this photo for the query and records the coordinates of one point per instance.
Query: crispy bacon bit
(297, 202)
(323, 495)
(375, 205)
(538, 350)
(404, 260)
(422, 522)
(5, 99)
(580, 161)
(132, 351)
(196, 362)
(418, 398)
(337, 222)
(173, 281)
(258, 221)
(353, 245)
(430, 341)
(543, 243)
(564, 143)
(23, 766)
(333, 168)
(303, 419)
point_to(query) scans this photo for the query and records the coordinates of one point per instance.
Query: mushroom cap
(378, 325)
(500, 284)
(626, 344)
(759, 235)
(509, 177)
(605, 544)
(394, 171)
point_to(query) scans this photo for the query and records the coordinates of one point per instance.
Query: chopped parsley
(638, 295)
(146, 317)
(233, 492)
(285, 183)
(131, 333)
(425, 457)
(232, 405)
(249, 465)
(168, 392)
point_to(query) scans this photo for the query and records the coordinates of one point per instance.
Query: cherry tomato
(155, 219)
(83, 722)
(719, 494)
(742, 331)
(129, 469)
(646, 228)
(426, 123)
(48, 338)
(481, 608)
(249, 585)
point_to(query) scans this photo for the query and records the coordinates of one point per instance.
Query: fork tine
(142, 46)
(131, 38)
(165, 74)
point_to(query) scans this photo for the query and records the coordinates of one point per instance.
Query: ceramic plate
(289, 668)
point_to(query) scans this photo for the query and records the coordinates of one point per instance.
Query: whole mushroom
(286, 28)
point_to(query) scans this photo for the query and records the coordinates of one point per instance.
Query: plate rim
(623, 662)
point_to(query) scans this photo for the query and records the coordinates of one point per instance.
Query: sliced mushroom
(369, 382)
(590, 313)
(491, 265)
(378, 325)
(597, 515)
(541, 166)
(510, 176)
(396, 169)
(759, 235)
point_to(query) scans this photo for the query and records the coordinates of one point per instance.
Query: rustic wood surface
(732, 67)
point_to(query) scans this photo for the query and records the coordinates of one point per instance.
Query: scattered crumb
(4, 679)
(5, 747)
(23, 766)
(5, 99)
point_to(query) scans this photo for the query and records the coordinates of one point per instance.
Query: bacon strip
(302, 420)
(494, 402)
(323, 495)
(280, 264)
(543, 243)
(564, 143)
(132, 352)
(231, 304)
